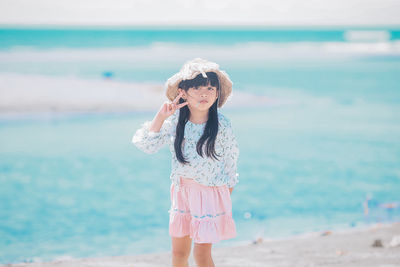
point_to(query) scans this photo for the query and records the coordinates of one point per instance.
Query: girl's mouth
(203, 101)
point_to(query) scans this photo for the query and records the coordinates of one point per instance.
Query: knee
(180, 254)
(202, 257)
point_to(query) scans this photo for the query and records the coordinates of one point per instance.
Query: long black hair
(211, 128)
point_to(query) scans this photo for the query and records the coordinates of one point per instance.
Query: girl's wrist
(157, 123)
(160, 117)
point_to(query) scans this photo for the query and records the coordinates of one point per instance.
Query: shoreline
(368, 245)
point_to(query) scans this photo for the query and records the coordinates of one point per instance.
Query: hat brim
(225, 85)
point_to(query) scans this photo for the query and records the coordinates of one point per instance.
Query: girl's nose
(205, 92)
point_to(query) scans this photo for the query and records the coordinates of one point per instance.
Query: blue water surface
(97, 37)
(74, 184)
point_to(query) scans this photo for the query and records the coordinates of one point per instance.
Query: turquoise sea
(73, 184)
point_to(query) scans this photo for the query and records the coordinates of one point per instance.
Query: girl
(204, 159)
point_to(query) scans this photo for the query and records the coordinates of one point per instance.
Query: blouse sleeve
(150, 142)
(231, 155)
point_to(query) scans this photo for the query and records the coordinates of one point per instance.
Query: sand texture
(332, 248)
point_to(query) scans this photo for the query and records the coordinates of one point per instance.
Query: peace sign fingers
(174, 103)
(177, 97)
(168, 108)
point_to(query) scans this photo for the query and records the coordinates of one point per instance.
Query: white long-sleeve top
(204, 170)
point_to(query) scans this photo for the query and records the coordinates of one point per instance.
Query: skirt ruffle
(204, 213)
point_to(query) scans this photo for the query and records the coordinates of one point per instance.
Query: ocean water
(73, 185)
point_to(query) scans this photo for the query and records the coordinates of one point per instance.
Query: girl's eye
(209, 88)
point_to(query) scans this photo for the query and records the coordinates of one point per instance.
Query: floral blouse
(206, 171)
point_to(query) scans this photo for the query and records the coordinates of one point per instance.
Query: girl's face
(201, 97)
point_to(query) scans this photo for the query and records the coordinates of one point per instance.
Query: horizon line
(195, 26)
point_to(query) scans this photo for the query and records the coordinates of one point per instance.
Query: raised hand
(169, 108)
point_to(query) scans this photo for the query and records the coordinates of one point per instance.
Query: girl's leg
(181, 247)
(202, 255)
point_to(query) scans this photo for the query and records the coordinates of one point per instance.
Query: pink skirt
(202, 212)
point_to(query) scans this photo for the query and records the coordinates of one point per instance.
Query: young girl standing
(204, 159)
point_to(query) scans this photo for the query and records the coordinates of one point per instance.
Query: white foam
(175, 54)
(367, 36)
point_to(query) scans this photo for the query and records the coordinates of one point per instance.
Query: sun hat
(193, 68)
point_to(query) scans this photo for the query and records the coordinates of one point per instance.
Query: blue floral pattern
(206, 171)
(196, 216)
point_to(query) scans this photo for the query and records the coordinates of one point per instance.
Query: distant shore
(374, 245)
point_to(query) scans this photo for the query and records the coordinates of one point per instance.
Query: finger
(182, 104)
(177, 98)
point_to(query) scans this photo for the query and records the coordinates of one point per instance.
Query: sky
(201, 12)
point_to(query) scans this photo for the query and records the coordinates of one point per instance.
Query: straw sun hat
(193, 68)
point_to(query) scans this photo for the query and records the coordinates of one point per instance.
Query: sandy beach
(377, 245)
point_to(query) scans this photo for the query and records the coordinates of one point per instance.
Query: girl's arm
(230, 190)
(153, 135)
(156, 123)
(231, 155)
